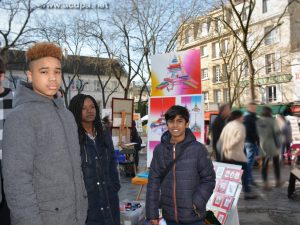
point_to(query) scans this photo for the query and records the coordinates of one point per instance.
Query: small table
(140, 181)
(294, 175)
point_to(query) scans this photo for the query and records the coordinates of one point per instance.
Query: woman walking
(231, 142)
(98, 162)
(270, 146)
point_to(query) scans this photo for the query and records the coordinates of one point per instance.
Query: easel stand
(129, 167)
(123, 126)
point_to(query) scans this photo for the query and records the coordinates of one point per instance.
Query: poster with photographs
(218, 199)
(223, 201)
(221, 216)
(227, 202)
(219, 171)
(222, 186)
(233, 174)
(231, 188)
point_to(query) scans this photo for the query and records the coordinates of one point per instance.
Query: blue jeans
(251, 152)
(174, 223)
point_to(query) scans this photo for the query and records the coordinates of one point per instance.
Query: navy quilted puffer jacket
(191, 181)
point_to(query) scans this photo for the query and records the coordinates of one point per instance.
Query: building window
(250, 40)
(216, 50)
(226, 72)
(205, 97)
(265, 5)
(203, 51)
(226, 95)
(219, 25)
(273, 63)
(273, 36)
(97, 85)
(271, 93)
(225, 46)
(188, 36)
(245, 12)
(244, 68)
(216, 74)
(217, 96)
(204, 29)
(204, 74)
(114, 85)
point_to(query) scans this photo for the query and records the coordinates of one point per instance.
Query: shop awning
(207, 114)
(295, 108)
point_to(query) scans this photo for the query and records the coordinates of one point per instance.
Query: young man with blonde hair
(41, 155)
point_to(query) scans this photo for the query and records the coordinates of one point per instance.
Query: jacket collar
(189, 137)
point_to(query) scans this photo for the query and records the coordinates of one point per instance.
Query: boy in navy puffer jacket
(188, 185)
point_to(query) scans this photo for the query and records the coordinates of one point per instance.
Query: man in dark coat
(188, 184)
(251, 140)
(217, 126)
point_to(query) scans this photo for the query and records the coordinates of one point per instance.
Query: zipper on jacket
(174, 185)
(85, 154)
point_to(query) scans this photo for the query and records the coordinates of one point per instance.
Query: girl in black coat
(98, 163)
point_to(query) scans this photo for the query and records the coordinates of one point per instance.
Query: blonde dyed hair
(43, 49)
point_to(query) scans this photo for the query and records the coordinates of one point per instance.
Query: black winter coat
(250, 125)
(101, 180)
(190, 182)
(216, 129)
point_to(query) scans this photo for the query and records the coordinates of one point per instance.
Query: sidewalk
(271, 208)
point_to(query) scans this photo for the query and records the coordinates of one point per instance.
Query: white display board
(295, 128)
(223, 202)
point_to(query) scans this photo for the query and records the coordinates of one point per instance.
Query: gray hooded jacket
(41, 163)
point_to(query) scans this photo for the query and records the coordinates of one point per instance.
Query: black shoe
(253, 183)
(250, 195)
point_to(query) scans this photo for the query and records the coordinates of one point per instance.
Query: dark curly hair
(177, 110)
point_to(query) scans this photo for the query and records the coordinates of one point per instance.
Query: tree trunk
(252, 75)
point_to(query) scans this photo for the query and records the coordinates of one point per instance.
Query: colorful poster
(176, 73)
(151, 147)
(194, 103)
(158, 106)
(156, 122)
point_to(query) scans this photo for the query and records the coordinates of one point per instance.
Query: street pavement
(270, 208)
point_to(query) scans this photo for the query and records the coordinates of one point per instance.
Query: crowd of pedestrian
(245, 139)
